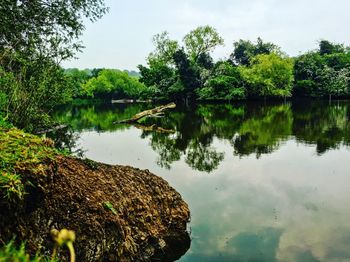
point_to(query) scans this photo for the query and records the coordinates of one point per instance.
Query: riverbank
(117, 212)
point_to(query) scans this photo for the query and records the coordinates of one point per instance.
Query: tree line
(253, 70)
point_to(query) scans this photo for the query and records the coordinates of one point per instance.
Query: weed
(21, 155)
(10, 252)
(107, 205)
(12, 186)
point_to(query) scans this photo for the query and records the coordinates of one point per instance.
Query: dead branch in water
(147, 113)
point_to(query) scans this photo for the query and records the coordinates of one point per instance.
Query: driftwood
(154, 128)
(151, 112)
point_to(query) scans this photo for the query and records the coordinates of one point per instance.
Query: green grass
(4, 123)
(11, 253)
(22, 161)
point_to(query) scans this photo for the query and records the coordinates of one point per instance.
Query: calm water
(264, 182)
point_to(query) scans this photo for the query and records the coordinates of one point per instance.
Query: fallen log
(146, 113)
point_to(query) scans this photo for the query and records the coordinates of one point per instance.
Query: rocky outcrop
(118, 213)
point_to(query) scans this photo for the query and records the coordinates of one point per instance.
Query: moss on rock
(145, 218)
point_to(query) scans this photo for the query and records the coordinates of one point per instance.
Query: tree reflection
(66, 139)
(326, 126)
(203, 158)
(251, 128)
(263, 130)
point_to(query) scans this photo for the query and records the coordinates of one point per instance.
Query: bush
(29, 93)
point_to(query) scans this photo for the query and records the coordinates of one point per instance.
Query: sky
(123, 38)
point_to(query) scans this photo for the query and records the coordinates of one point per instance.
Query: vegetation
(324, 72)
(254, 70)
(35, 37)
(21, 162)
(10, 252)
(114, 84)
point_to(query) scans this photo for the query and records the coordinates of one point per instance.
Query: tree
(203, 39)
(188, 76)
(323, 74)
(112, 83)
(225, 83)
(333, 82)
(326, 48)
(245, 50)
(269, 75)
(306, 70)
(35, 36)
(164, 49)
(77, 78)
(51, 27)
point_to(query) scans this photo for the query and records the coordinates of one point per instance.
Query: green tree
(77, 78)
(111, 83)
(326, 48)
(334, 82)
(49, 26)
(159, 76)
(201, 40)
(245, 50)
(188, 76)
(164, 49)
(35, 36)
(224, 83)
(270, 75)
(323, 73)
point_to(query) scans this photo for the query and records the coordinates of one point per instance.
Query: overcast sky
(123, 38)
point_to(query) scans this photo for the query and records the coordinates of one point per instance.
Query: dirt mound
(118, 213)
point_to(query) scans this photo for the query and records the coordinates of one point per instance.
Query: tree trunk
(146, 113)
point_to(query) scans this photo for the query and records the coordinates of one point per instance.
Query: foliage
(225, 83)
(164, 49)
(108, 205)
(245, 50)
(114, 83)
(269, 76)
(158, 78)
(327, 48)
(10, 253)
(188, 76)
(76, 79)
(201, 40)
(49, 26)
(35, 37)
(323, 73)
(32, 92)
(21, 157)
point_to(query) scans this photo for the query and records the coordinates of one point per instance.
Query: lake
(264, 181)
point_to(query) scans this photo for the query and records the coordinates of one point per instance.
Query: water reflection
(251, 128)
(279, 184)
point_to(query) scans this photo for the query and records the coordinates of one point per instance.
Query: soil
(118, 213)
